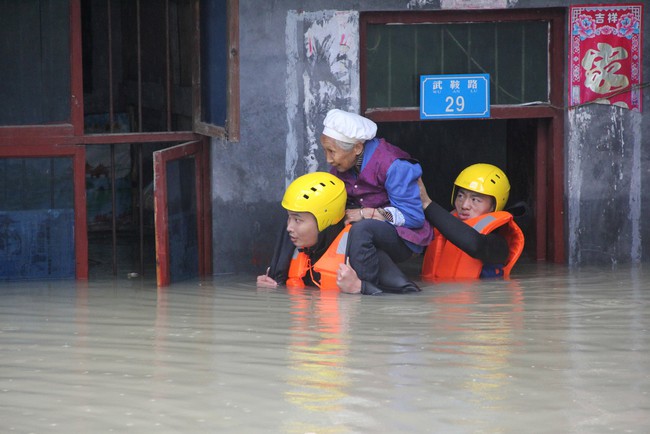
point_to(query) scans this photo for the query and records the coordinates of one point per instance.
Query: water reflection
(482, 324)
(552, 350)
(318, 350)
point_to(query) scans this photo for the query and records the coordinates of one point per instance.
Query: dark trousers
(368, 240)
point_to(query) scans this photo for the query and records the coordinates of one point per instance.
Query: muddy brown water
(553, 350)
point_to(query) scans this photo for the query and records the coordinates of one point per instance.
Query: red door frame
(198, 149)
(68, 139)
(549, 164)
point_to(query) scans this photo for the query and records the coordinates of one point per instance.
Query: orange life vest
(327, 265)
(443, 260)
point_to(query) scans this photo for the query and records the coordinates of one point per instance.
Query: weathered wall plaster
(604, 143)
(462, 4)
(323, 69)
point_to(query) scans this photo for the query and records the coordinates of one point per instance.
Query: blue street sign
(455, 96)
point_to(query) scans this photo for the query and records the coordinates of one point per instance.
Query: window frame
(555, 17)
(73, 130)
(230, 131)
(68, 138)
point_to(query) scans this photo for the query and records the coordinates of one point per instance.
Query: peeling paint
(462, 4)
(292, 97)
(578, 121)
(419, 4)
(476, 4)
(326, 45)
(636, 251)
(604, 176)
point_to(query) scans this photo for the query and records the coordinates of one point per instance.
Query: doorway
(120, 209)
(138, 86)
(444, 148)
(522, 51)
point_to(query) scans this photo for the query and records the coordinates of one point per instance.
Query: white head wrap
(348, 127)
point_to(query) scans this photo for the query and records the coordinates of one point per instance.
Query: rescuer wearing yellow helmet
(315, 205)
(313, 249)
(479, 238)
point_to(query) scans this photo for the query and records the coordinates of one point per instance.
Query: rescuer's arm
(490, 249)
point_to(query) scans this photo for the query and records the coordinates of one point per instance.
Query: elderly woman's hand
(352, 215)
(356, 214)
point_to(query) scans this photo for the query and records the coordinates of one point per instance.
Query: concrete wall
(300, 58)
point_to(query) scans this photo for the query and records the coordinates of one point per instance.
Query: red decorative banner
(605, 55)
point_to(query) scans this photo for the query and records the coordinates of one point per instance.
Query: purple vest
(368, 189)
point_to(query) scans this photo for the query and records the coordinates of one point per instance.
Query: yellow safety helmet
(486, 179)
(319, 193)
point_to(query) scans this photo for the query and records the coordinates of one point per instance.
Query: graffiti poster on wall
(605, 55)
(322, 73)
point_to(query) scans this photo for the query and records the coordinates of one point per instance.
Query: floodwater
(551, 351)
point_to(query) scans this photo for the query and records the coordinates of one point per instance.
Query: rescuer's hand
(424, 196)
(347, 280)
(265, 281)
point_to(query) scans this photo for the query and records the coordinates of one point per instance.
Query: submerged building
(158, 136)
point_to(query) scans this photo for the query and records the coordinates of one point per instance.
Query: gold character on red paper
(601, 66)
